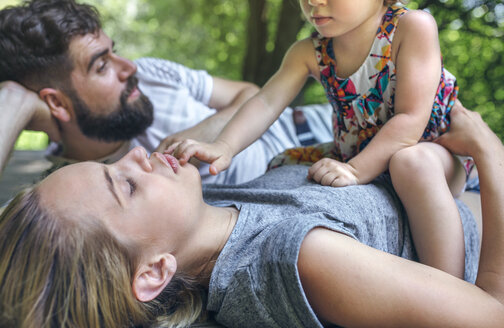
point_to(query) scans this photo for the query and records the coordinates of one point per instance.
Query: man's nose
(126, 68)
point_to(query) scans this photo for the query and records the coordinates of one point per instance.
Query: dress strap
(390, 20)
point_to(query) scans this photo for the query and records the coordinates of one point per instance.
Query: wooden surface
(23, 169)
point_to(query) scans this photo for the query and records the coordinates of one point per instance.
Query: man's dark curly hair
(35, 39)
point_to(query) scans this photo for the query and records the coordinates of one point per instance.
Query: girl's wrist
(225, 146)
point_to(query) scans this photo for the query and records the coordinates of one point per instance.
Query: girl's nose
(317, 2)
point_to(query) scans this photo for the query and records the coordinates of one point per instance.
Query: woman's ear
(58, 103)
(152, 277)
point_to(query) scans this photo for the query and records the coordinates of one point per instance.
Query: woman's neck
(198, 255)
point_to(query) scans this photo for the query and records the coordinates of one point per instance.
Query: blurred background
(246, 40)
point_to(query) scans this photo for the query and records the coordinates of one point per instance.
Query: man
(99, 105)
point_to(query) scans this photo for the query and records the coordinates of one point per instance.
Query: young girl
(380, 65)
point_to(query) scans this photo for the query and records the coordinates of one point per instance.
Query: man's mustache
(130, 86)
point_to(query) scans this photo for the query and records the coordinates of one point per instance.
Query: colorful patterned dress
(364, 102)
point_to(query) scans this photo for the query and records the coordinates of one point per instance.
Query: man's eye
(132, 185)
(102, 67)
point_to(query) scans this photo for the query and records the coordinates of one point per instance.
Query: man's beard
(126, 122)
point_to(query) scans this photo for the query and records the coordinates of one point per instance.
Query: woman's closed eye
(132, 185)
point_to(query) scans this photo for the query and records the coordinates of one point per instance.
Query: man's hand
(29, 103)
(218, 154)
(330, 172)
(19, 109)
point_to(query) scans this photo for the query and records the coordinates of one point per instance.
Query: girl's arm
(257, 114)
(227, 97)
(418, 68)
(351, 284)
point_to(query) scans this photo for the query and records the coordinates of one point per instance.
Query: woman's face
(148, 201)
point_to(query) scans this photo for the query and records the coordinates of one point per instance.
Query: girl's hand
(218, 154)
(330, 172)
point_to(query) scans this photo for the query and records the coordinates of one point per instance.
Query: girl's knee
(414, 161)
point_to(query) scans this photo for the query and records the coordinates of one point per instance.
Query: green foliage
(31, 140)
(5, 3)
(202, 34)
(470, 34)
(212, 34)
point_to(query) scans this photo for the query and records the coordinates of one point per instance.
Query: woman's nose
(138, 156)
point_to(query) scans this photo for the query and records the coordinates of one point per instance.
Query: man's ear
(152, 277)
(58, 103)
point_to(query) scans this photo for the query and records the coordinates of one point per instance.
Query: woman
(134, 242)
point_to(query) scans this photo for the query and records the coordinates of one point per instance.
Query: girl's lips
(320, 20)
(169, 160)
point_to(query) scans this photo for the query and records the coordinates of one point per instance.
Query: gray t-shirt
(255, 282)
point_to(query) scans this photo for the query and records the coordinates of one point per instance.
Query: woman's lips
(169, 160)
(172, 161)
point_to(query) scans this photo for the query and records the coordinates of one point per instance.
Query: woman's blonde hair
(60, 271)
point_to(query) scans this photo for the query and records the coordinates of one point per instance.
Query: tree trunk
(256, 40)
(259, 64)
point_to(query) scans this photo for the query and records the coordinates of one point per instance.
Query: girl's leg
(425, 177)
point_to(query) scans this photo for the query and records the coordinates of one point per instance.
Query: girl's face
(334, 18)
(148, 201)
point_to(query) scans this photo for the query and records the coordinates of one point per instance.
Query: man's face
(107, 103)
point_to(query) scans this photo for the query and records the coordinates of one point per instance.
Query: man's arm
(19, 109)
(227, 97)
